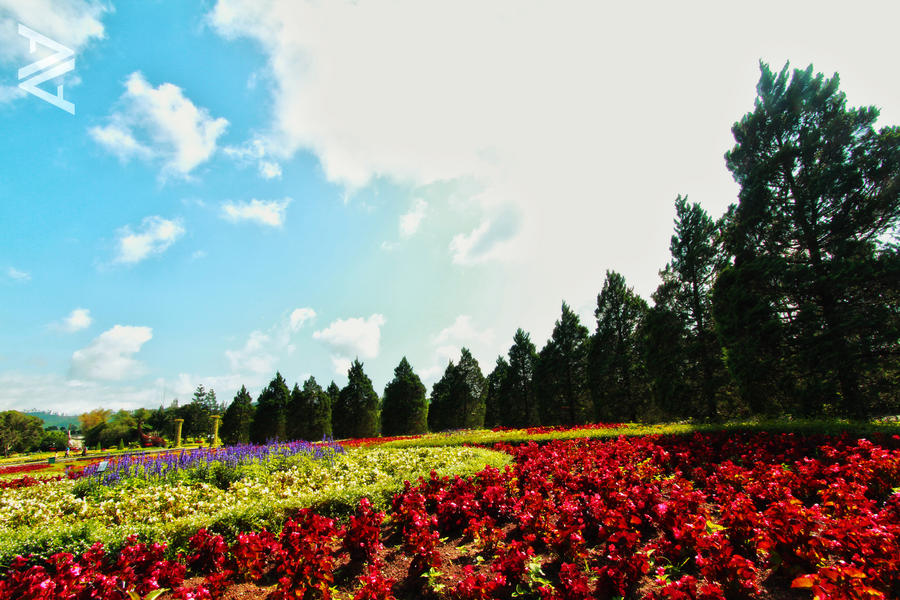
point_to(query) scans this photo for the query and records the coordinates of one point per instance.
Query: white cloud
(448, 342)
(47, 391)
(255, 150)
(410, 221)
(78, 319)
(160, 123)
(263, 212)
(111, 355)
(352, 338)
(300, 316)
(198, 254)
(255, 356)
(578, 154)
(72, 23)
(154, 236)
(18, 275)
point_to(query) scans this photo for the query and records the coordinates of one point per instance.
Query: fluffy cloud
(448, 342)
(154, 236)
(160, 123)
(255, 151)
(354, 337)
(410, 221)
(78, 319)
(111, 355)
(263, 212)
(300, 316)
(17, 275)
(72, 23)
(576, 155)
(45, 391)
(255, 356)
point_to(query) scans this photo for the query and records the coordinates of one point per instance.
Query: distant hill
(50, 418)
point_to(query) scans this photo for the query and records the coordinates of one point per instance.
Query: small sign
(102, 466)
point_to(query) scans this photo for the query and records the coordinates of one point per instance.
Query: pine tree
(686, 294)
(493, 397)
(405, 410)
(297, 415)
(560, 379)
(238, 419)
(310, 411)
(440, 409)
(270, 420)
(356, 413)
(820, 188)
(517, 393)
(616, 372)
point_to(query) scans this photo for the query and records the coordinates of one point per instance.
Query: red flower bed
(722, 516)
(23, 468)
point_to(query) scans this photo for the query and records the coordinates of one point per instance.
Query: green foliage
(560, 377)
(517, 393)
(355, 415)
(19, 432)
(238, 419)
(457, 399)
(270, 418)
(820, 188)
(405, 410)
(54, 440)
(309, 412)
(616, 372)
(493, 398)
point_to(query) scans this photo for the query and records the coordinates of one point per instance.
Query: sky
(245, 186)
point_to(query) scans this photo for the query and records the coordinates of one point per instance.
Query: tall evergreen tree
(820, 188)
(405, 410)
(238, 419)
(686, 294)
(356, 413)
(440, 408)
(561, 373)
(297, 415)
(270, 419)
(517, 393)
(616, 372)
(309, 412)
(493, 393)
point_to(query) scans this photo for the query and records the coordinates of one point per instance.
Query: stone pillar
(178, 424)
(216, 419)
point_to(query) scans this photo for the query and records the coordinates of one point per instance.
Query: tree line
(789, 303)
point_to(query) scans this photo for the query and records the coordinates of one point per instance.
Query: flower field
(705, 516)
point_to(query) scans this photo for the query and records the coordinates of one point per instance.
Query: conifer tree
(356, 413)
(405, 410)
(238, 419)
(270, 419)
(616, 372)
(560, 379)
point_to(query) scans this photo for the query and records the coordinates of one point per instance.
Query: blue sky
(248, 186)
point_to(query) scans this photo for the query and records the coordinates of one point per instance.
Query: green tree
(517, 393)
(440, 409)
(820, 190)
(270, 418)
(356, 413)
(19, 432)
(686, 294)
(238, 419)
(54, 440)
(309, 412)
(560, 378)
(615, 368)
(405, 410)
(493, 393)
